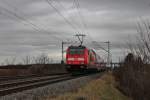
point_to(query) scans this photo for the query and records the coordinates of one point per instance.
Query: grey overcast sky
(33, 27)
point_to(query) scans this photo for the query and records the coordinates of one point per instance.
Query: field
(19, 70)
(103, 88)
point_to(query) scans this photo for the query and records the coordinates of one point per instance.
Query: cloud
(38, 28)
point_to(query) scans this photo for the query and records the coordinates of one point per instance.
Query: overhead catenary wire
(60, 5)
(22, 18)
(65, 19)
(79, 23)
(50, 2)
(34, 26)
(83, 22)
(19, 17)
(72, 19)
(77, 5)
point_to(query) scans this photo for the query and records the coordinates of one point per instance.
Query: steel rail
(25, 81)
(6, 78)
(9, 88)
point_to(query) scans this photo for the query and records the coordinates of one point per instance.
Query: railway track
(17, 85)
(6, 78)
(20, 84)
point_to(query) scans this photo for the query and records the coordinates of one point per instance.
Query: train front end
(76, 57)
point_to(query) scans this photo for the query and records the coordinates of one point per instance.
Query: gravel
(51, 90)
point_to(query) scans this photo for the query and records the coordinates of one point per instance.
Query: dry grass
(133, 78)
(13, 72)
(100, 89)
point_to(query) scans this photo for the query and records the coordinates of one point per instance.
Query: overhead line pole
(108, 59)
(62, 52)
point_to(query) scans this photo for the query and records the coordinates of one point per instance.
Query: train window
(76, 51)
(91, 57)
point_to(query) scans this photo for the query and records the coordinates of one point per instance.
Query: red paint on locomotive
(78, 57)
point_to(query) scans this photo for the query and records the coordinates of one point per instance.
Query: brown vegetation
(99, 89)
(15, 70)
(31, 65)
(133, 78)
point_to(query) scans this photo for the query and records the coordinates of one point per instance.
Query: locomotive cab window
(76, 51)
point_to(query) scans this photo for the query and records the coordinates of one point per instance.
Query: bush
(133, 77)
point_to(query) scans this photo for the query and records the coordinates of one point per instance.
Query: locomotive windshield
(79, 51)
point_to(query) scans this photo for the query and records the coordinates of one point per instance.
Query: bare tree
(134, 74)
(9, 61)
(142, 46)
(42, 59)
(27, 60)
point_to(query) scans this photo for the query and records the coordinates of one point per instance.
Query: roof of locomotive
(74, 47)
(81, 47)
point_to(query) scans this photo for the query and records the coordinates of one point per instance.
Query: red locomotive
(80, 57)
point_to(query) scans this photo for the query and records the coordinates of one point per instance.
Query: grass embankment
(100, 89)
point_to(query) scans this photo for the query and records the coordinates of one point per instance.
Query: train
(83, 58)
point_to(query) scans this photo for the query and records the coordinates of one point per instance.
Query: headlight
(71, 59)
(81, 59)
